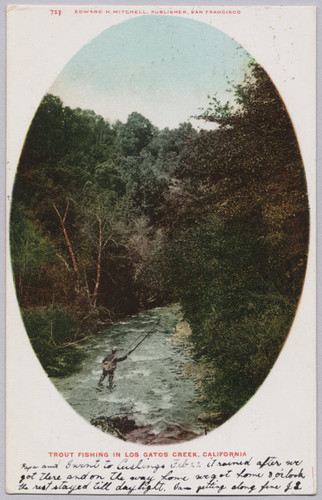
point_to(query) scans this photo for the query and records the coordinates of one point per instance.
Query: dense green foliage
(48, 327)
(239, 240)
(108, 220)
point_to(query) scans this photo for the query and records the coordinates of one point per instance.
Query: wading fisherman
(111, 360)
(109, 366)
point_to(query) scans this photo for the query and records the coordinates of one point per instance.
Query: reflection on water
(149, 385)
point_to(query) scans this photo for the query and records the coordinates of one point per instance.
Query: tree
(103, 240)
(135, 134)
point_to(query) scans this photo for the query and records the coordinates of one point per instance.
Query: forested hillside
(111, 219)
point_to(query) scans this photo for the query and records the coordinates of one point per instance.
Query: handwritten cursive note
(67, 473)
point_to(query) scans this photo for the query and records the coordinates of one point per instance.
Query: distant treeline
(108, 220)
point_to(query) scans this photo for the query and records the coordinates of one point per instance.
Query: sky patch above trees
(162, 68)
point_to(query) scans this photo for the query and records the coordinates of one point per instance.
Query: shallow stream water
(149, 386)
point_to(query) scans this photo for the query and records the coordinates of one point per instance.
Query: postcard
(161, 250)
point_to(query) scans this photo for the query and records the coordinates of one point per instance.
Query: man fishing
(109, 366)
(110, 361)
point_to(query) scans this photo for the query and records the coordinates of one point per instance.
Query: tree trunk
(99, 263)
(62, 221)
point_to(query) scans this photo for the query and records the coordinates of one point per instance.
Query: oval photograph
(159, 229)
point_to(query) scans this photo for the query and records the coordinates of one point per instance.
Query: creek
(150, 386)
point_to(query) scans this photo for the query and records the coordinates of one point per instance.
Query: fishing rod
(135, 341)
(146, 336)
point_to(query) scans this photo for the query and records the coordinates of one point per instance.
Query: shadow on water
(151, 401)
